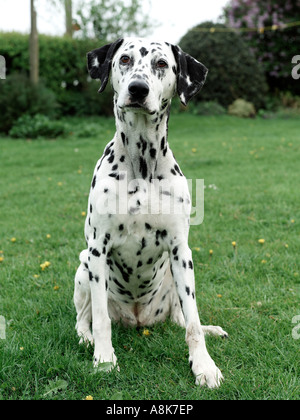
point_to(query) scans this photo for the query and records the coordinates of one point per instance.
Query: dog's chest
(140, 216)
(138, 259)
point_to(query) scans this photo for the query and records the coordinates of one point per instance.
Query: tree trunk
(34, 46)
(69, 23)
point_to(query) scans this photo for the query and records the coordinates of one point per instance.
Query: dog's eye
(125, 59)
(162, 64)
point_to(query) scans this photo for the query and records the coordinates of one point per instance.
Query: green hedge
(62, 69)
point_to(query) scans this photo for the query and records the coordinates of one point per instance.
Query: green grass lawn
(252, 290)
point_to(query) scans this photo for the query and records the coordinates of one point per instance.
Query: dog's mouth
(137, 107)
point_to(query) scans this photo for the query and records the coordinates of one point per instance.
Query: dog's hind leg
(82, 301)
(176, 313)
(214, 330)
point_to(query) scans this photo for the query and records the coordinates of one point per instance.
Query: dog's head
(146, 75)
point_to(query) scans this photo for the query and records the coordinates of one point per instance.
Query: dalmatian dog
(138, 267)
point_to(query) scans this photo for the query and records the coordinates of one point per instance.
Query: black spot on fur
(143, 52)
(123, 272)
(111, 158)
(153, 153)
(143, 168)
(117, 283)
(95, 252)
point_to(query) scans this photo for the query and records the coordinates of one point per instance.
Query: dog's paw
(86, 339)
(214, 330)
(207, 373)
(105, 363)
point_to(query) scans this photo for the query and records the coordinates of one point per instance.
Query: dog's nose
(138, 89)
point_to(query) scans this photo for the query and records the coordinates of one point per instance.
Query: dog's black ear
(100, 60)
(191, 75)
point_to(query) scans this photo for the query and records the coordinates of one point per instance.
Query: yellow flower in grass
(48, 236)
(1, 259)
(13, 239)
(56, 287)
(45, 265)
(263, 261)
(261, 241)
(89, 398)
(233, 244)
(146, 332)
(211, 252)
(83, 213)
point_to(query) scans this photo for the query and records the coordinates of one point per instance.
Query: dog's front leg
(98, 275)
(203, 367)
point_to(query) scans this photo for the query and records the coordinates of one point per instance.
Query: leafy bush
(233, 71)
(87, 101)
(18, 96)
(208, 108)
(288, 100)
(35, 126)
(62, 68)
(242, 108)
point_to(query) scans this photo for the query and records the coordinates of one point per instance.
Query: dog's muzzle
(138, 91)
